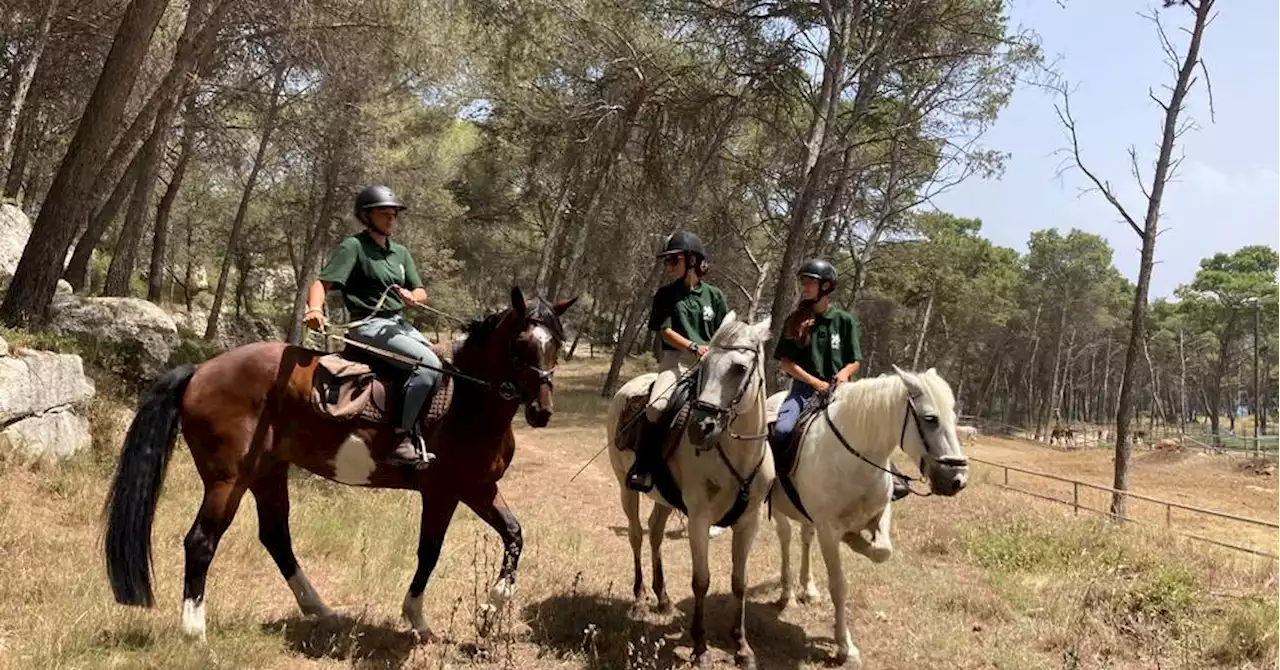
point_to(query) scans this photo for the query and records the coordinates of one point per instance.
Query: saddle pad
(343, 389)
(629, 427)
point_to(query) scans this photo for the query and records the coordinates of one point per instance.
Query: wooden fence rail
(1168, 505)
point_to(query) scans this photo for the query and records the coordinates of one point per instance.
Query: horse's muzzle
(946, 479)
(703, 428)
(536, 415)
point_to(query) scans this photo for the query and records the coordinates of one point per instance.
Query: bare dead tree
(1166, 165)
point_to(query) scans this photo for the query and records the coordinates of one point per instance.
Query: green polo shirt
(833, 344)
(363, 270)
(694, 313)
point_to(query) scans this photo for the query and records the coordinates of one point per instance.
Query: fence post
(1075, 497)
(1006, 476)
(1168, 516)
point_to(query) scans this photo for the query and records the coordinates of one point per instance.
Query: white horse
(722, 466)
(842, 478)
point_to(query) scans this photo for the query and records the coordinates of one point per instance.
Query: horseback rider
(819, 349)
(686, 312)
(377, 278)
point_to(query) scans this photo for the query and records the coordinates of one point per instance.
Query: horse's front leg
(829, 542)
(436, 514)
(879, 546)
(488, 504)
(744, 534)
(699, 539)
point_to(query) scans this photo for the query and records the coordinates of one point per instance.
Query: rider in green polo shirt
(377, 277)
(686, 313)
(818, 353)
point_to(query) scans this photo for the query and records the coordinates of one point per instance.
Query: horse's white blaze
(541, 335)
(353, 464)
(308, 600)
(193, 618)
(412, 611)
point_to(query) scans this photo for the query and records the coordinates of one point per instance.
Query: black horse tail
(131, 503)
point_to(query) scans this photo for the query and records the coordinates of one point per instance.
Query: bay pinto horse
(246, 415)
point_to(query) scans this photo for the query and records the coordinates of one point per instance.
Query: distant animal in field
(967, 434)
(1062, 434)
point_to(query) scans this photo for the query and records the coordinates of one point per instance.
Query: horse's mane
(728, 334)
(536, 309)
(870, 405)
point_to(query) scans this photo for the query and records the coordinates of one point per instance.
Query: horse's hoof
(637, 608)
(810, 596)
(745, 660)
(702, 660)
(785, 601)
(665, 607)
(849, 659)
(424, 636)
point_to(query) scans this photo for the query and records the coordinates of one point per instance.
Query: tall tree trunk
(924, 330)
(31, 291)
(194, 43)
(242, 211)
(33, 120)
(77, 272)
(1137, 325)
(25, 75)
(814, 169)
(633, 323)
(155, 272)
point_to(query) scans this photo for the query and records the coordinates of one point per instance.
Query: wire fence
(1078, 503)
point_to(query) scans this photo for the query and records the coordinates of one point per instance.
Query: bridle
(912, 414)
(732, 410)
(510, 389)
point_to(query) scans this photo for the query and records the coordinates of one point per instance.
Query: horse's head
(732, 377)
(535, 349)
(929, 431)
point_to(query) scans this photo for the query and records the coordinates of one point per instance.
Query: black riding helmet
(682, 241)
(821, 270)
(376, 196)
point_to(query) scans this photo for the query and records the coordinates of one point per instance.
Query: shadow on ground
(602, 631)
(344, 638)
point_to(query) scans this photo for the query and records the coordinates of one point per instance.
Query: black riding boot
(412, 447)
(900, 488)
(639, 477)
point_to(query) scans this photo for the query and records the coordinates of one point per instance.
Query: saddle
(786, 458)
(675, 419)
(360, 386)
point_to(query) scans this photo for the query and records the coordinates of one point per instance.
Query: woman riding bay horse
(247, 414)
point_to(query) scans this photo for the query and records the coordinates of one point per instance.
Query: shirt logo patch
(835, 340)
(707, 312)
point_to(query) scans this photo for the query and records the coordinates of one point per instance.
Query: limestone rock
(32, 382)
(50, 436)
(144, 334)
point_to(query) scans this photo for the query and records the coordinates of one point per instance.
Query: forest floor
(988, 579)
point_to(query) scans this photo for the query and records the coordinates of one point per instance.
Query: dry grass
(988, 579)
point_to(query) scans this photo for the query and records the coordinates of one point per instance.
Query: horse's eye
(931, 419)
(739, 368)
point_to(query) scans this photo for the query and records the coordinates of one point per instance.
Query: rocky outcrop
(15, 229)
(39, 392)
(139, 332)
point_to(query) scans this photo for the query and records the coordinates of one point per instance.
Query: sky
(1227, 192)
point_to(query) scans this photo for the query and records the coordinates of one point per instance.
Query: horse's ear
(913, 388)
(517, 301)
(931, 372)
(564, 305)
(762, 329)
(729, 318)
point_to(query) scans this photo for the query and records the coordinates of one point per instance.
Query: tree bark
(924, 329)
(77, 272)
(242, 211)
(25, 75)
(31, 291)
(1137, 325)
(155, 272)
